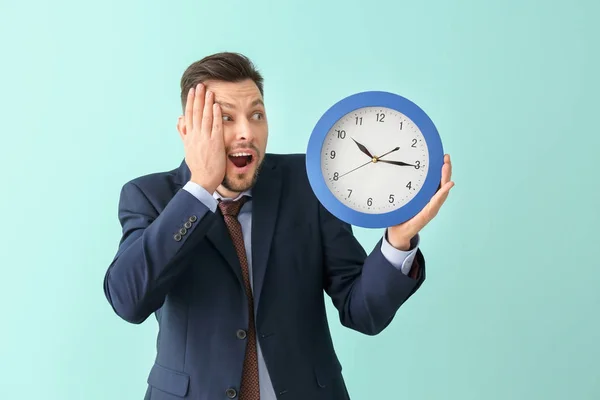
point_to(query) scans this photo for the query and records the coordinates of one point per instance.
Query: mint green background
(90, 98)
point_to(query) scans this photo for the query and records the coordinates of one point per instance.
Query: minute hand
(396, 163)
(375, 159)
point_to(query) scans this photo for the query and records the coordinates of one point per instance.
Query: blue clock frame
(374, 99)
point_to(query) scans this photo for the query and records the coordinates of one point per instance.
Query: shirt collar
(218, 197)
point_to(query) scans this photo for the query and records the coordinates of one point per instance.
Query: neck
(227, 193)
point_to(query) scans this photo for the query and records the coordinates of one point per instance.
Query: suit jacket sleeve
(366, 289)
(151, 250)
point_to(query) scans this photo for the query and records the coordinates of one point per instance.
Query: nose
(244, 131)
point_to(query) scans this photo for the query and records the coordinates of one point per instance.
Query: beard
(242, 182)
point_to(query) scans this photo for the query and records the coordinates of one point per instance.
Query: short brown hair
(225, 66)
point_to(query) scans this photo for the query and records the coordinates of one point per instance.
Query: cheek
(262, 135)
(228, 135)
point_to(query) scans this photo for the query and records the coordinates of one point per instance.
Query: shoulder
(154, 184)
(291, 167)
(291, 172)
(297, 189)
(293, 163)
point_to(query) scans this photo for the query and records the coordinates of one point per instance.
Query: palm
(410, 228)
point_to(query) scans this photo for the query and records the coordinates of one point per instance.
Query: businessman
(233, 254)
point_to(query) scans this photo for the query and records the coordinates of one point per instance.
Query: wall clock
(374, 159)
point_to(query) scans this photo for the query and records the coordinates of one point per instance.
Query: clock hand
(396, 163)
(367, 163)
(374, 160)
(391, 151)
(378, 159)
(363, 149)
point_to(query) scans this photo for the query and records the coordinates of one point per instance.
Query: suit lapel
(265, 206)
(218, 234)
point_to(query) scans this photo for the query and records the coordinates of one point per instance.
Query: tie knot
(232, 208)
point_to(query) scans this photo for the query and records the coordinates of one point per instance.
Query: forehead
(237, 93)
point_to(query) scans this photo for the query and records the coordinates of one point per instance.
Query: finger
(217, 128)
(207, 116)
(432, 208)
(198, 106)
(446, 170)
(189, 104)
(443, 192)
(439, 198)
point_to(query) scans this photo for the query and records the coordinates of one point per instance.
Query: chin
(239, 182)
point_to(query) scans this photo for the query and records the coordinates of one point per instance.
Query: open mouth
(241, 159)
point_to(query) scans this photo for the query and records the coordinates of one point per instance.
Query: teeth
(240, 154)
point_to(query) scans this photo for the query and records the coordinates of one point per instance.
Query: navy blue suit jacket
(192, 282)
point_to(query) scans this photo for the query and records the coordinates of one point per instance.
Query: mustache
(243, 146)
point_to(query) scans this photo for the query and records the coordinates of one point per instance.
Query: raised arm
(153, 244)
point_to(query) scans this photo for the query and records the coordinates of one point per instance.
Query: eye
(226, 118)
(257, 115)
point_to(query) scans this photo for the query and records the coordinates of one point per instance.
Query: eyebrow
(229, 105)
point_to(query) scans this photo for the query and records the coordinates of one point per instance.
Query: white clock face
(370, 184)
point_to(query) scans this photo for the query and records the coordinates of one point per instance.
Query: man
(237, 287)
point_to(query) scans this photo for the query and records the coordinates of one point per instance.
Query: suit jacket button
(183, 231)
(241, 334)
(231, 393)
(193, 218)
(187, 224)
(177, 237)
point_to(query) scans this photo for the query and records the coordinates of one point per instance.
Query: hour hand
(397, 163)
(363, 149)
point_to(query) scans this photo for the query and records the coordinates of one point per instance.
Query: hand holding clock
(403, 198)
(400, 235)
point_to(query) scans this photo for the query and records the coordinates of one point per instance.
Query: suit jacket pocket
(327, 371)
(169, 381)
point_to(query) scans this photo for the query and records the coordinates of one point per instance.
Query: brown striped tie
(250, 389)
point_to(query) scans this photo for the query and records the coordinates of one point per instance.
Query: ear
(181, 127)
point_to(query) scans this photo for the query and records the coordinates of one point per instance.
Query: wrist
(398, 240)
(404, 246)
(206, 186)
